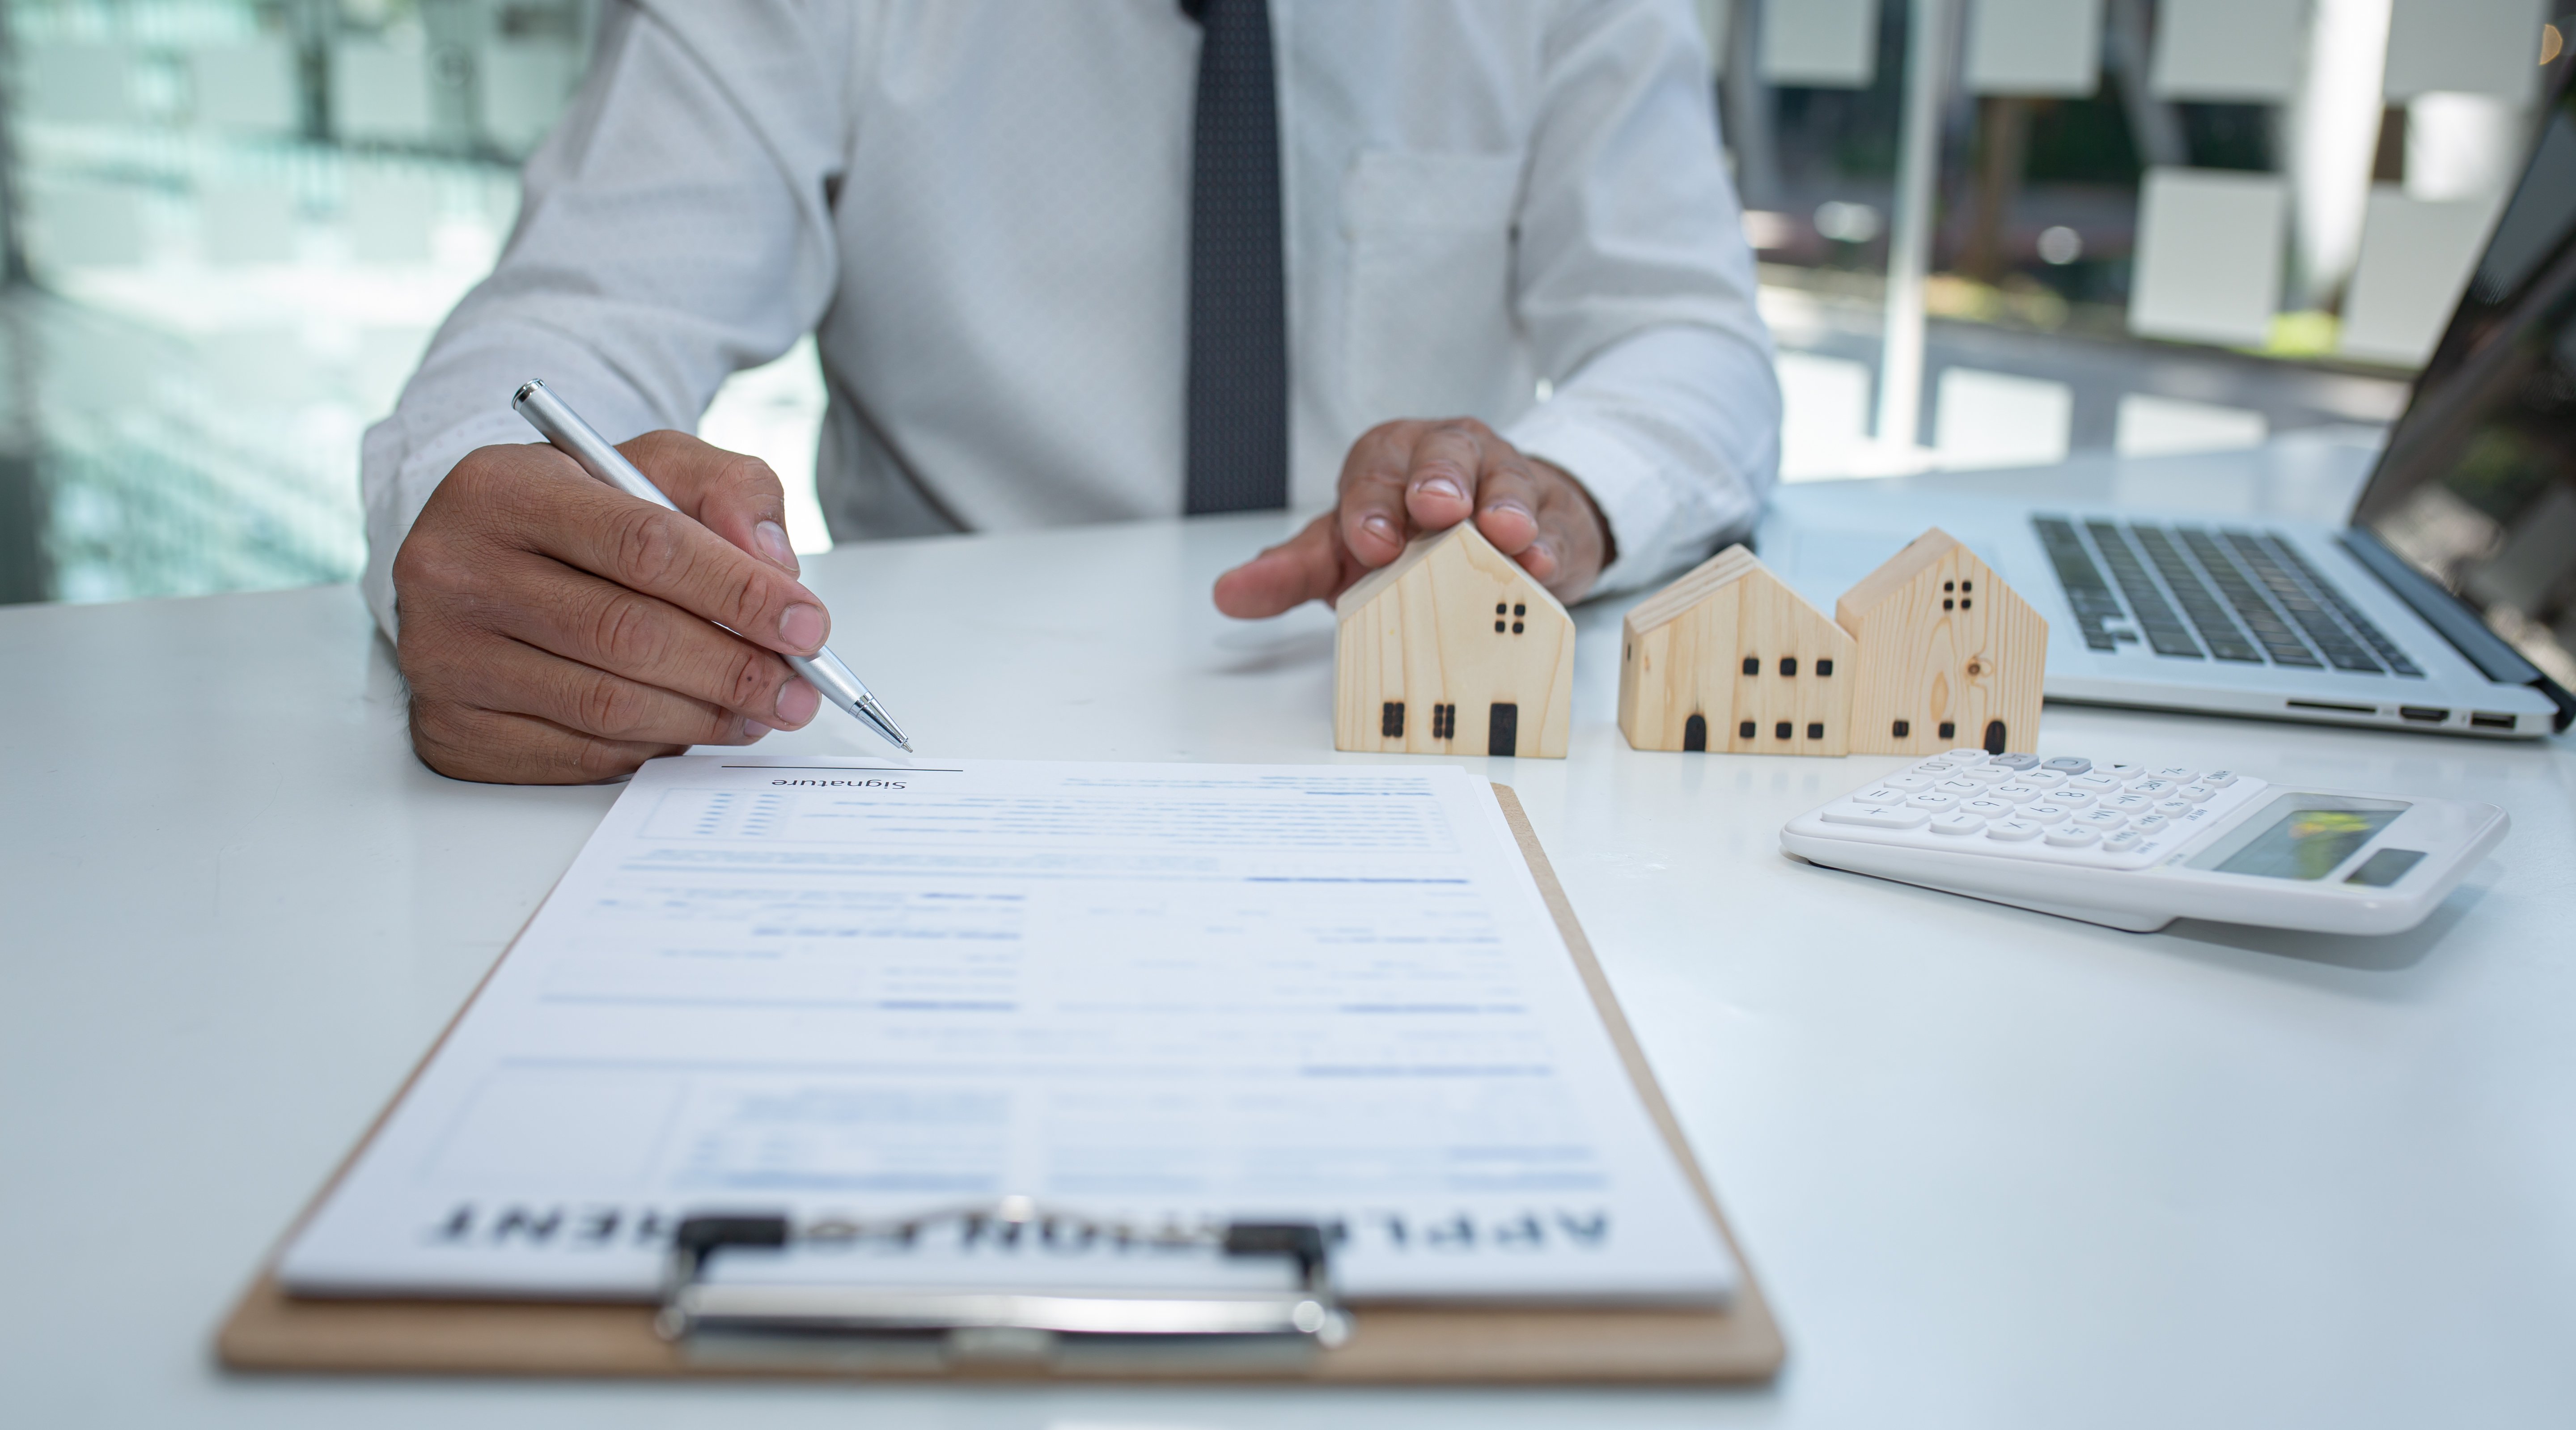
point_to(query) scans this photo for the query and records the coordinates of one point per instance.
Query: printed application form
(1145, 992)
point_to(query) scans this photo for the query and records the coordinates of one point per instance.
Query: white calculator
(2136, 848)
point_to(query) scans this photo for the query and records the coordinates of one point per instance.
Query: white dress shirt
(982, 210)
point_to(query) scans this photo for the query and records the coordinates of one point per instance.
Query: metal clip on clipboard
(951, 1326)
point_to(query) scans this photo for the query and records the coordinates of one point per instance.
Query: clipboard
(269, 1331)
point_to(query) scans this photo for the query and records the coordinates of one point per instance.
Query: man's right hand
(557, 631)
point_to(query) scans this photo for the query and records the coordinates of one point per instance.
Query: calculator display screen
(2300, 836)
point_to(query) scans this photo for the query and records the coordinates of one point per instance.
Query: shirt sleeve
(674, 228)
(1637, 290)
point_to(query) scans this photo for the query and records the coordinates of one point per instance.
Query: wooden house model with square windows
(1929, 652)
(1948, 655)
(1729, 658)
(1452, 649)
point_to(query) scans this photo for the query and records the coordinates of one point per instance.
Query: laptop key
(2166, 634)
(2377, 639)
(2261, 621)
(2315, 622)
(2087, 593)
(2217, 629)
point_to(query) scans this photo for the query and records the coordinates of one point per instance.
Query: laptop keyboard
(2199, 594)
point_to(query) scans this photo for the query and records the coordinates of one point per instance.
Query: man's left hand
(1403, 479)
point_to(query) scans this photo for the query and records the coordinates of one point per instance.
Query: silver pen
(577, 439)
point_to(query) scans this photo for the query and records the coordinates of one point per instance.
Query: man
(1065, 263)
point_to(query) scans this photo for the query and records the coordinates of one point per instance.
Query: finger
(1440, 484)
(1508, 498)
(665, 554)
(1313, 565)
(512, 678)
(495, 747)
(1373, 526)
(579, 617)
(733, 495)
(1572, 545)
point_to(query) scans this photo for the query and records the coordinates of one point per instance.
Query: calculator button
(1883, 794)
(2045, 813)
(2072, 836)
(2195, 792)
(1966, 755)
(1983, 774)
(1987, 808)
(2122, 842)
(1962, 789)
(2099, 784)
(2010, 830)
(1932, 799)
(2041, 779)
(2149, 824)
(1897, 818)
(2121, 769)
(1910, 783)
(1957, 824)
(2173, 807)
(2219, 779)
(2067, 764)
(2152, 786)
(2071, 798)
(2129, 803)
(2014, 762)
(2179, 774)
(1933, 767)
(2016, 792)
(2101, 819)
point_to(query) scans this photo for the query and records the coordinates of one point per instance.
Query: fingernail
(1509, 508)
(1537, 556)
(802, 626)
(771, 538)
(753, 729)
(1379, 526)
(797, 703)
(1443, 487)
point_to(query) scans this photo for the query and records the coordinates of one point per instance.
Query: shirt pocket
(1429, 330)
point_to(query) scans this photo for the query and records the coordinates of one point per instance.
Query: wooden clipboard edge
(1764, 1343)
(269, 1331)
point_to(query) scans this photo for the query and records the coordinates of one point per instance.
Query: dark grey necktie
(1238, 418)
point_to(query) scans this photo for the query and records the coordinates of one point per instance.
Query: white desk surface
(1995, 1169)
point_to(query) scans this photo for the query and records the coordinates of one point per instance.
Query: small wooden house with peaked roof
(1948, 655)
(1452, 649)
(1729, 658)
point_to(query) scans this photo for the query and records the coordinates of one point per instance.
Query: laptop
(2446, 603)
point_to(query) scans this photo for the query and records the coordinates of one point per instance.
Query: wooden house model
(1729, 658)
(1947, 654)
(1452, 649)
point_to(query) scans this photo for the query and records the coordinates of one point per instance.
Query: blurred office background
(2157, 225)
